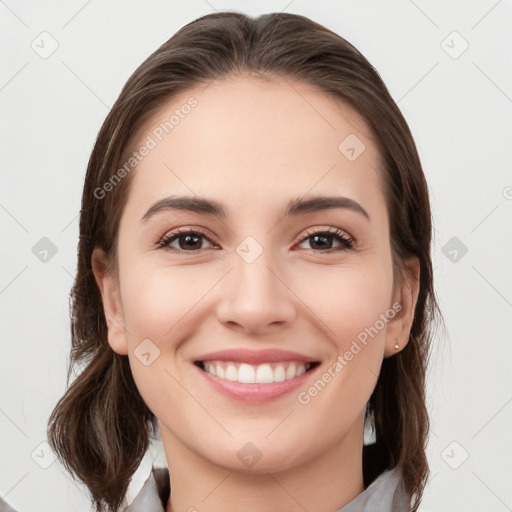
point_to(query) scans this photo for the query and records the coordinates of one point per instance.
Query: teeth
(279, 374)
(291, 372)
(260, 374)
(219, 371)
(246, 373)
(231, 373)
(210, 369)
(264, 374)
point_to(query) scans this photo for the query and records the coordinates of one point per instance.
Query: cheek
(354, 306)
(156, 301)
(157, 308)
(350, 301)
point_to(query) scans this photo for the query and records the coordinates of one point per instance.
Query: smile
(266, 373)
(255, 375)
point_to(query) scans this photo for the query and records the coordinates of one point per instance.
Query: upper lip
(255, 356)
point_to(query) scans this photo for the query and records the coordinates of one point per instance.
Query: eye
(188, 240)
(320, 238)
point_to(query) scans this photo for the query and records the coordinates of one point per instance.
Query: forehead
(254, 140)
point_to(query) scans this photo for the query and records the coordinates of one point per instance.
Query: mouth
(265, 373)
(256, 376)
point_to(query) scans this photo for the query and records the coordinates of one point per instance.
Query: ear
(111, 298)
(404, 303)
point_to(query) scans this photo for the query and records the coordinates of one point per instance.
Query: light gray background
(459, 108)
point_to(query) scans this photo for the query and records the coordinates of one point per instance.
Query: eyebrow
(295, 207)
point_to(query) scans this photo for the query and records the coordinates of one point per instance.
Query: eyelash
(347, 243)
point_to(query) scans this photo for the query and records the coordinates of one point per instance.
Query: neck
(326, 483)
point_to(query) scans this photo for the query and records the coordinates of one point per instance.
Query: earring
(397, 345)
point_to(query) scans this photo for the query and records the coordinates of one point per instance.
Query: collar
(385, 494)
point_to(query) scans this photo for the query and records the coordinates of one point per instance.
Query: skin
(253, 145)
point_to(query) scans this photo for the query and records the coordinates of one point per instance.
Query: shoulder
(154, 494)
(386, 493)
(5, 507)
(152, 497)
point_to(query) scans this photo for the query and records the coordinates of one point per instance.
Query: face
(261, 320)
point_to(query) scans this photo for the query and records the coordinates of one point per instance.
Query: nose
(256, 298)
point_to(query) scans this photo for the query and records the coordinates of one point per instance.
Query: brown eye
(323, 240)
(184, 241)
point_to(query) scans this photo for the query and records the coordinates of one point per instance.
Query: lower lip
(255, 392)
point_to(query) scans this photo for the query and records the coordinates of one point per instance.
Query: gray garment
(5, 507)
(385, 494)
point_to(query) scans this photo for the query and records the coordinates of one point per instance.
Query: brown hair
(100, 429)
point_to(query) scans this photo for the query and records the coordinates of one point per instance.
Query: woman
(254, 281)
